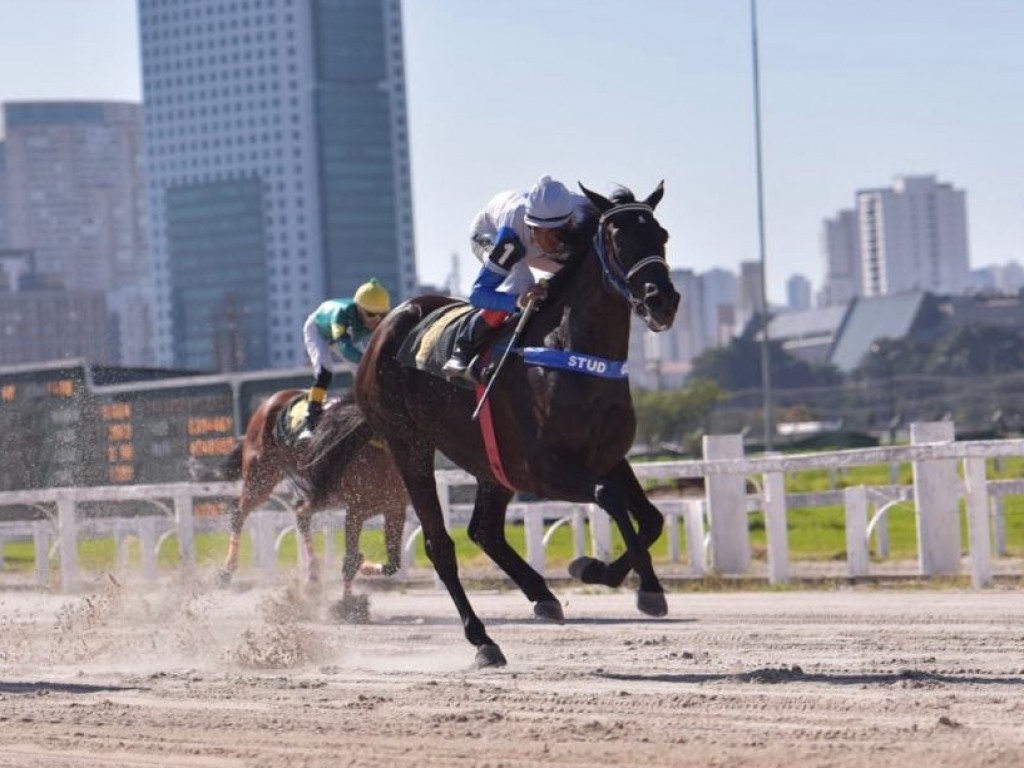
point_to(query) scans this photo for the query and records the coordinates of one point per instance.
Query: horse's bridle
(614, 272)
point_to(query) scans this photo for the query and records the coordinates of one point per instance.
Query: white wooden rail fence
(716, 525)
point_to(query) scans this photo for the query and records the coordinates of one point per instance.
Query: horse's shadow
(44, 686)
(783, 676)
(437, 621)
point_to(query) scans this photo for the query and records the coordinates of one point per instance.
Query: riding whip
(530, 306)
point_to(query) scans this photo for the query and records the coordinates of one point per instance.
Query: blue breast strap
(567, 360)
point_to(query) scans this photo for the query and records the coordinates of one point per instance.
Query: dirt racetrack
(192, 676)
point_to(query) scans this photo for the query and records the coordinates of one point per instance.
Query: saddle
(429, 345)
(292, 418)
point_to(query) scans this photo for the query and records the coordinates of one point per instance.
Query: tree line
(678, 416)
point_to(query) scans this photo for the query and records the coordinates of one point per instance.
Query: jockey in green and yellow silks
(341, 327)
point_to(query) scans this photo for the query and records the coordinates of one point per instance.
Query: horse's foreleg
(417, 469)
(650, 520)
(612, 497)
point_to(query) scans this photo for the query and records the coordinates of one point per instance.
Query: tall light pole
(766, 376)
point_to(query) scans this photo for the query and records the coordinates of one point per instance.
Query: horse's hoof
(489, 655)
(224, 577)
(652, 603)
(589, 570)
(351, 609)
(549, 610)
(371, 569)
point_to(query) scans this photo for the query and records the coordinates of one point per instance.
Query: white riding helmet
(549, 204)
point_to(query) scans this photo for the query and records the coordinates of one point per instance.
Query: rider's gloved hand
(536, 293)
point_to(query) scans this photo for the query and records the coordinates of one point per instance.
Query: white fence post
(185, 523)
(600, 532)
(68, 529)
(41, 541)
(533, 527)
(775, 527)
(147, 542)
(694, 512)
(937, 497)
(977, 515)
(579, 533)
(263, 544)
(672, 530)
(727, 508)
(856, 502)
(999, 526)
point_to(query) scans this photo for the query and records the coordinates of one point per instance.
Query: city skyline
(854, 94)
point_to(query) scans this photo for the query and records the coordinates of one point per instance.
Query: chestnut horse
(561, 412)
(369, 485)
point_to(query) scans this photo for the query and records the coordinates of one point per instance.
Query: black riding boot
(466, 346)
(313, 413)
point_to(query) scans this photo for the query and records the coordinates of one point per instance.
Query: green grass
(814, 534)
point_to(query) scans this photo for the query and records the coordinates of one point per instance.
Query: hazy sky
(854, 92)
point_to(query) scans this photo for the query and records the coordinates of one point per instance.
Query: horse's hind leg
(303, 523)
(487, 528)
(353, 557)
(394, 528)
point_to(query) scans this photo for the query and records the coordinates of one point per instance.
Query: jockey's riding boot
(313, 413)
(466, 346)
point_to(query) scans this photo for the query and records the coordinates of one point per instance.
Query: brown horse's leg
(487, 528)
(394, 528)
(417, 467)
(238, 517)
(303, 523)
(257, 486)
(353, 557)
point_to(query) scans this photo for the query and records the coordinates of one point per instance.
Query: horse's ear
(600, 202)
(655, 197)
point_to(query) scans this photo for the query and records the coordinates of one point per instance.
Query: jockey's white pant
(317, 347)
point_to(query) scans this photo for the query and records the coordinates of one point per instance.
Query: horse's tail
(342, 433)
(231, 467)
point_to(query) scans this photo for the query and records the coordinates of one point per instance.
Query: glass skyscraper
(278, 163)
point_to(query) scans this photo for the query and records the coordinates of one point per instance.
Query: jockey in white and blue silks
(514, 232)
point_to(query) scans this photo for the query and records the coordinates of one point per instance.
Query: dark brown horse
(563, 433)
(368, 486)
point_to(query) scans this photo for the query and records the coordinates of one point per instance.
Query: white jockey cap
(549, 204)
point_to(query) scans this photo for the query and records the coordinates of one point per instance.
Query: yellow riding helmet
(373, 297)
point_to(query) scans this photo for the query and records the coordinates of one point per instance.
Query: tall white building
(798, 292)
(840, 246)
(913, 236)
(751, 294)
(279, 169)
(3, 195)
(719, 292)
(74, 195)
